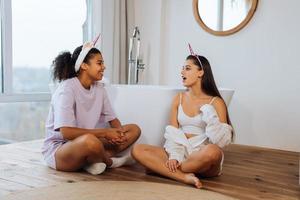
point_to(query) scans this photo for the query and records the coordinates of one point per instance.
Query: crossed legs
(205, 162)
(88, 149)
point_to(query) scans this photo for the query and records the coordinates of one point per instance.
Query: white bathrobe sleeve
(218, 133)
(174, 144)
(175, 150)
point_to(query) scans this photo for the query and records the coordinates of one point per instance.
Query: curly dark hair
(63, 66)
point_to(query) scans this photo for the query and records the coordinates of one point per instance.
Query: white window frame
(6, 92)
(6, 41)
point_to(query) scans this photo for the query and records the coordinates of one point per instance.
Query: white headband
(85, 50)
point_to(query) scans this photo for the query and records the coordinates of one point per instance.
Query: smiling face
(191, 74)
(95, 67)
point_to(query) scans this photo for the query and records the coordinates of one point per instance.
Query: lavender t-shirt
(74, 106)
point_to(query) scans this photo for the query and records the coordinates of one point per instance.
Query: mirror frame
(230, 31)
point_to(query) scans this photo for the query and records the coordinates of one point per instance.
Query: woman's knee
(213, 153)
(138, 150)
(91, 143)
(135, 129)
(134, 132)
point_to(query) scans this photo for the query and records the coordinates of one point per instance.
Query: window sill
(25, 97)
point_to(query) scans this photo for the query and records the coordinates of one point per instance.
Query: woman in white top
(75, 133)
(199, 128)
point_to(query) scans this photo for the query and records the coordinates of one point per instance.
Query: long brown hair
(208, 83)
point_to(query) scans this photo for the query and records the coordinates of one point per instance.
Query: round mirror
(223, 17)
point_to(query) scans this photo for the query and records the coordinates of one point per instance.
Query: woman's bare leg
(155, 158)
(83, 150)
(205, 162)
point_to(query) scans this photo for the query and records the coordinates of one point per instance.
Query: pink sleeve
(63, 105)
(107, 113)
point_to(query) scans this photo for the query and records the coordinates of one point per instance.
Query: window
(22, 121)
(38, 34)
(33, 33)
(1, 65)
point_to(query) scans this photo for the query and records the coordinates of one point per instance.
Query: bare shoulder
(176, 99)
(174, 110)
(221, 108)
(219, 103)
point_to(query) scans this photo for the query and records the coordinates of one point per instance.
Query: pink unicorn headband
(195, 55)
(85, 50)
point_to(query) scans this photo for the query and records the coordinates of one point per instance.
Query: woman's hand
(172, 165)
(116, 136)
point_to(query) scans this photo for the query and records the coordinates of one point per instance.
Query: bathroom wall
(140, 14)
(260, 62)
(147, 16)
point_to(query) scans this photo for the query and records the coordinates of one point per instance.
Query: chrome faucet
(135, 64)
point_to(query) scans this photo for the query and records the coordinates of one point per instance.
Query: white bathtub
(148, 106)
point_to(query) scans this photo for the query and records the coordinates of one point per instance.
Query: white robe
(179, 147)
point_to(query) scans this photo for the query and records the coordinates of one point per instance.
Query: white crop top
(193, 125)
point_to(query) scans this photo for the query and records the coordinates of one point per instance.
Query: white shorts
(49, 155)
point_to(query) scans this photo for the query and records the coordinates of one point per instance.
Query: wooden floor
(248, 172)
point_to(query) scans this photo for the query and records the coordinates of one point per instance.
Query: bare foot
(193, 180)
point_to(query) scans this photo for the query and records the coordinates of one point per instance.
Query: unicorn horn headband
(195, 55)
(85, 50)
